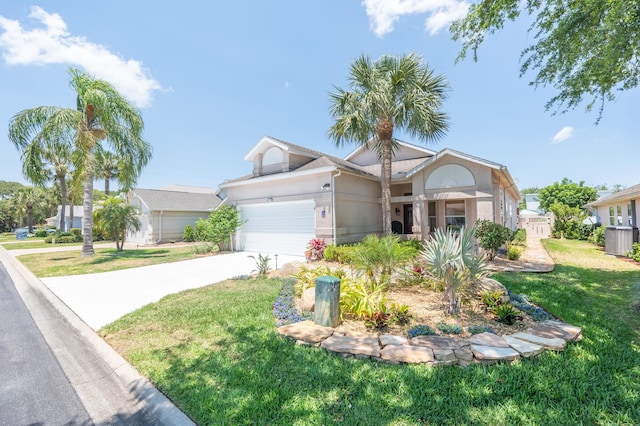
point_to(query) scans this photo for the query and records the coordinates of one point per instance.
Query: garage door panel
(283, 228)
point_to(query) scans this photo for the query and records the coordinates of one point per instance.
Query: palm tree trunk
(63, 200)
(30, 218)
(106, 184)
(385, 181)
(70, 213)
(87, 220)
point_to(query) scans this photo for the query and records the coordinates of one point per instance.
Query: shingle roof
(157, 199)
(625, 194)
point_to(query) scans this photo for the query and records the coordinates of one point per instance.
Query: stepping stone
(407, 353)
(306, 331)
(526, 349)
(440, 342)
(492, 353)
(556, 343)
(569, 332)
(353, 345)
(488, 339)
(390, 339)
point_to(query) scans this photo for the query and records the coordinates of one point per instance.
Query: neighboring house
(78, 214)
(164, 214)
(618, 213)
(616, 209)
(295, 194)
(532, 202)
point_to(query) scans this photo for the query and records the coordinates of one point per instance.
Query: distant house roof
(157, 199)
(626, 194)
(78, 211)
(185, 188)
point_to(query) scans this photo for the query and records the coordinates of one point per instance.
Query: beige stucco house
(295, 194)
(165, 212)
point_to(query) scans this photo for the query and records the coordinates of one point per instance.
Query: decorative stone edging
(485, 348)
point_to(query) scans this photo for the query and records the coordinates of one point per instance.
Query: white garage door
(277, 228)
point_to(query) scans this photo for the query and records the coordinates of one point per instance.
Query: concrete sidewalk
(101, 298)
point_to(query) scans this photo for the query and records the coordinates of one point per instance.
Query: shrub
(491, 236)
(41, 233)
(189, 234)
(597, 236)
(520, 237)
(491, 298)
(506, 314)
(376, 258)
(64, 234)
(65, 239)
(634, 253)
(378, 320)
(421, 330)
(400, 314)
(76, 232)
(513, 253)
(331, 253)
(362, 298)
(49, 239)
(306, 276)
(477, 329)
(449, 328)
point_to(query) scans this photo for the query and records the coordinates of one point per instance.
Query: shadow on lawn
(257, 377)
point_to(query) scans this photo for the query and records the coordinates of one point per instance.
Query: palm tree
(392, 92)
(107, 167)
(30, 198)
(102, 118)
(43, 159)
(116, 217)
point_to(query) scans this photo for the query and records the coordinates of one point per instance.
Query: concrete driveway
(100, 299)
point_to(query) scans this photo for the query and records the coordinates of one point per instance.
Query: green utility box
(327, 303)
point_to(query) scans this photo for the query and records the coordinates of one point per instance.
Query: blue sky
(211, 78)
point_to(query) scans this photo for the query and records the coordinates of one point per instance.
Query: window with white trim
(612, 216)
(454, 214)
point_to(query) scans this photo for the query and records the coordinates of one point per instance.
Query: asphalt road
(34, 390)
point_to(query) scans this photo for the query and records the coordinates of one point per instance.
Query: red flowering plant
(316, 248)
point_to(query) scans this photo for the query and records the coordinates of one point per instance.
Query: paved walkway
(534, 258)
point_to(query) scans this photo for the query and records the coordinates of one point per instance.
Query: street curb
(155, 405)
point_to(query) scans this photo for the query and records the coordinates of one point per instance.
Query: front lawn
(215, 352)
(62, 263)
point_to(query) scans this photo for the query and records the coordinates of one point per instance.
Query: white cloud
(52, 43)
(384, 13)
(565, 133)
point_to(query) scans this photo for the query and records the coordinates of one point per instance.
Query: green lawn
(57, 264)
(33, 243)
(214, 351)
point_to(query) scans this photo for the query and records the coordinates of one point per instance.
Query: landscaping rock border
(483, 348)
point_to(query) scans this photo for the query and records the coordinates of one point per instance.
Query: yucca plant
(449, 259)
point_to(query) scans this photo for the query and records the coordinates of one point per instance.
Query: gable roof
(186, 188)
(624, 195)
(157, 199)
(423, 152)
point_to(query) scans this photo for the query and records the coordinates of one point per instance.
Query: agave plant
(449, 258)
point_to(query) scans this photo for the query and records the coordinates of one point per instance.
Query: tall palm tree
(102, 117)
(44, 159)
(107, 167)
(392, 92)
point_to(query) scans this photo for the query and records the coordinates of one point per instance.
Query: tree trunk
(385, 181)
(63, 201)
(87, 220)
(106, 184)
(30, 218)
(70, 213)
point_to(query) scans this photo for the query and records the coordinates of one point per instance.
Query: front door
(408, 218)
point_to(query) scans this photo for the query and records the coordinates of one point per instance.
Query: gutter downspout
(159, 227)
(333, 207)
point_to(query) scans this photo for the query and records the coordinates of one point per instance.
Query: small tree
(222, 222)
(115, 217)
(449, 259)
(567, 221)
(491, 236)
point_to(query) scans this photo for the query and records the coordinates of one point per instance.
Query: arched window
(450, 176)
(273, 156)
